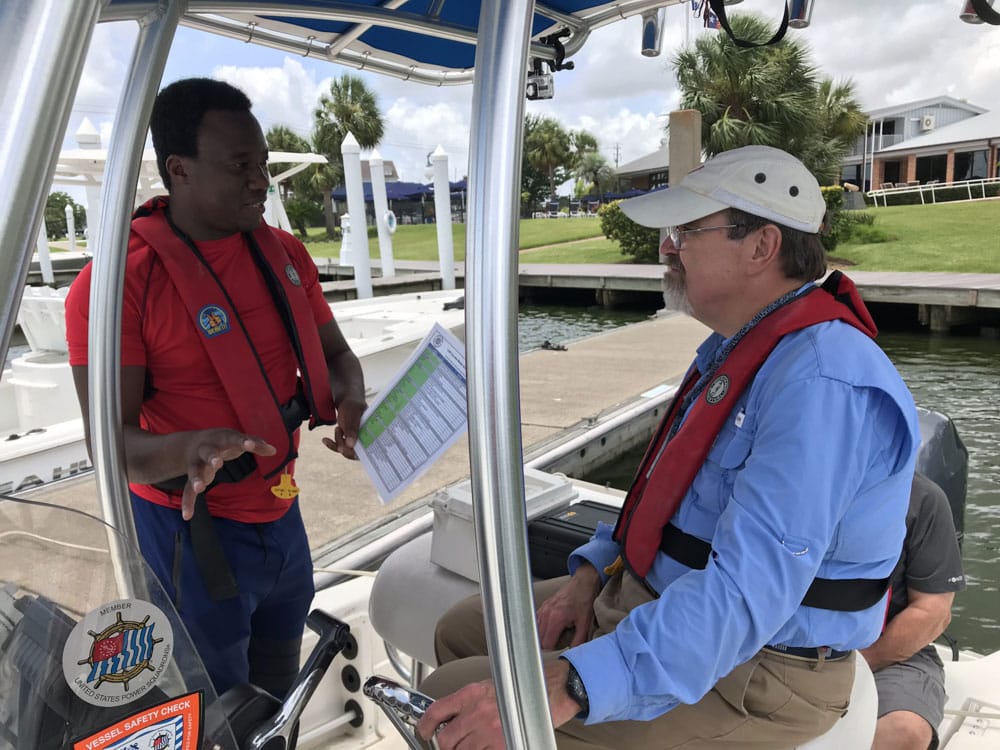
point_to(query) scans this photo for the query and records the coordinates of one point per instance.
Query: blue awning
(394, 191)
(422, 40)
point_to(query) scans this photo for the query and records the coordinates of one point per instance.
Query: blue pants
(254, 637)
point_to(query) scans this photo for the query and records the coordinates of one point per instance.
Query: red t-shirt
(158, 334)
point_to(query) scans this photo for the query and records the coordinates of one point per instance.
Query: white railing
(865, 147)
(976, 189)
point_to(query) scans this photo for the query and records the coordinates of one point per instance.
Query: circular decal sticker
(717, 390)
(213, 320)
(293, 275)
(117, 652)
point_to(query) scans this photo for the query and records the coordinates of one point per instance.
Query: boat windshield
(86, 660)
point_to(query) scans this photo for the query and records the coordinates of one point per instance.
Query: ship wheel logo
(117, 652)
(717, 390)
(121, 652)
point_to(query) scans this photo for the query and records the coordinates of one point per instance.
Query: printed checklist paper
(417, 417)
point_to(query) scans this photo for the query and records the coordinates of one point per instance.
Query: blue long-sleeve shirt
(810, 477)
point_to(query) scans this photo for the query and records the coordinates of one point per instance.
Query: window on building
(932, 168)
(970, 165)
(851, 173)
(656, 179)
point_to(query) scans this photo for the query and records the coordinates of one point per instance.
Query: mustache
(673, 263)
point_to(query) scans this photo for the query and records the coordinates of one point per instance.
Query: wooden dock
(938, 301)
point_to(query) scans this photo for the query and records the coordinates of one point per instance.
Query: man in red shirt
(227, 347)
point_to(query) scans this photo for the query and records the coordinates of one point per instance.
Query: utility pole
(618, 154)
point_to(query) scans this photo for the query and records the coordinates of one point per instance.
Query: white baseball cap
(760, 180)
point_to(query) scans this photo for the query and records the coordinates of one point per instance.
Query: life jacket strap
(837, 594)
(220, 583)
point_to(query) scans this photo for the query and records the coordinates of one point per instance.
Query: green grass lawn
(951, 237)
(599, 250)
(419, 241)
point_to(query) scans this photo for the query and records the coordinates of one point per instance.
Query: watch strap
(576, 689)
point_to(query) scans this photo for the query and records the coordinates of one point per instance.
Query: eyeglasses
(676, 234)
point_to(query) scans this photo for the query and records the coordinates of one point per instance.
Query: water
(536, 325)
(561, 325)
(959, 377)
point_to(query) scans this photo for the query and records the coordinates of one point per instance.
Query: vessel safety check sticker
(174, 724)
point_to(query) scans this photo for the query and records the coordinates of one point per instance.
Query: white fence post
(377, 167)
(442, 213)
(351, 152)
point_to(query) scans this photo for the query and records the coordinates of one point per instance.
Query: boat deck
(559, 390)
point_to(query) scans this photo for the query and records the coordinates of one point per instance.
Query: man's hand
(345, 434)
(206, 451)
(571, 608)
(473, 718)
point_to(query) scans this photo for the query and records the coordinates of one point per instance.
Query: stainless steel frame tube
(491, 345)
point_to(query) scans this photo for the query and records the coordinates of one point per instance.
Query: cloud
(285, 95)
(414, 129)
(894, 52)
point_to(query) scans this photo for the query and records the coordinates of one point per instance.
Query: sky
(894, 51)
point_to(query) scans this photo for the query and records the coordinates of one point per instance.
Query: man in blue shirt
(753, 551)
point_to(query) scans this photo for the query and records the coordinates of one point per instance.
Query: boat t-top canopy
(43, 45)
(430, 41)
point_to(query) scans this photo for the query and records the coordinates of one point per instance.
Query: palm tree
(300, 194)
(547, 148)
(350, 107)
(582, 142)
(761, 95)
(594, 173)
(839, 121)
(768, 96)
(283, 138)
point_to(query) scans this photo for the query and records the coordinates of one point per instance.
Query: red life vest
(662, 482)
(231, 351)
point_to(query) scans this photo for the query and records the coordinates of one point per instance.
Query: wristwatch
(576, 689)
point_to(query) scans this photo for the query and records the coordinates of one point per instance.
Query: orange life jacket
(226, 343)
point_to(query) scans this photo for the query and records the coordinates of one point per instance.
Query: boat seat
(410, 593)
(856, 729)
(422, 579)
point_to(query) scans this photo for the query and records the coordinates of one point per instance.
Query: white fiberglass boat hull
(41, 431)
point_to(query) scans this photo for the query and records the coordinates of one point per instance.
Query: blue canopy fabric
(423, 40)
(394, 191)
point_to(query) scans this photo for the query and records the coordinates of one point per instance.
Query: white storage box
(453, 544)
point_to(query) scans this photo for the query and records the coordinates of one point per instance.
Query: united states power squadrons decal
(117, 652)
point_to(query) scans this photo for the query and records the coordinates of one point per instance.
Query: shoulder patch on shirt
(293, 275)
(213, 320)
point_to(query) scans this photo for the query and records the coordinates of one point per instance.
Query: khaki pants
(770, 702)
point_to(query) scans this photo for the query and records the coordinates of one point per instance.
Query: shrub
(640, 244)
(868, 235)
(835, 228)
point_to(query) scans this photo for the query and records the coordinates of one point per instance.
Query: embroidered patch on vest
(213, 320)
(293, 275)
(717, 390)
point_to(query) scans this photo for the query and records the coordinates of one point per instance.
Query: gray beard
(675, 293)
